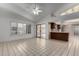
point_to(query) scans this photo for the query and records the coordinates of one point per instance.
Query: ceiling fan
(36, 10)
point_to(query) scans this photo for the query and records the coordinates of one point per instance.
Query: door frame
(36, 31)
(40, 30)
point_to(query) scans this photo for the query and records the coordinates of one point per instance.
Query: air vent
(53, 15)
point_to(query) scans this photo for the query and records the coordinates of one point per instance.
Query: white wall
(46, 21)
(6, 17)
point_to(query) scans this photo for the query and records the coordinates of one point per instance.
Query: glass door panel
(43, 30)
(38, 31)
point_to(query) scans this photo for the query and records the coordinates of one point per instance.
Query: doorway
(41, 31)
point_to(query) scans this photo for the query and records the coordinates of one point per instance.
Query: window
(24, 28)
(20, 28)
(13, 28)
(28, 29)
(76, 29)
(71, 10)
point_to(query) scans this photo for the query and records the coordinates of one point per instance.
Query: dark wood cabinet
(59, 36)
(52, 25)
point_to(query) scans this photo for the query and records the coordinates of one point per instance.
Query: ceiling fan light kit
(36, 10)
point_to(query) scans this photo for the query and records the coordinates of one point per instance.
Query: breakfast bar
(59, 36)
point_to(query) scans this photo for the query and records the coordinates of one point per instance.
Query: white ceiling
(25, 9)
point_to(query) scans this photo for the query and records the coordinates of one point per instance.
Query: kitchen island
(59, 36)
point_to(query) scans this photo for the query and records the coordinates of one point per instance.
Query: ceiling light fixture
(36, 10)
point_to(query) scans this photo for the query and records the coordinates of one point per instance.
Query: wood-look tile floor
(40, 47)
